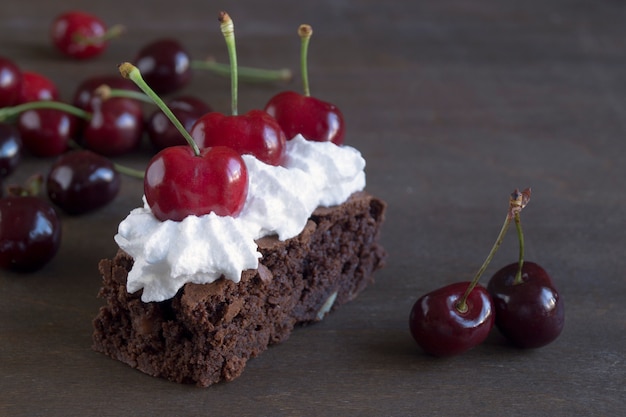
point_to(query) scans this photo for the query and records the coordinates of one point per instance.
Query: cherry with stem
(185, 180)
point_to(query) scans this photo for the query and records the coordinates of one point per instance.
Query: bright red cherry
(46, 132)
(115, 127)
(442, 329)
(314, 119)
(30, 233)
(10, 82)
(255, 133)
(81, 181)
(81, 35)
(10, 149)
(179, 183)
(296, 113)
(161, 130)
(37, 87)
(530, 313)
(165, 65)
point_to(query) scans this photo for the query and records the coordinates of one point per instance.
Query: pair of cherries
(209, 174)
(520, 300)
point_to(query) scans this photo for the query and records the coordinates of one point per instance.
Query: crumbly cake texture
(207, 332)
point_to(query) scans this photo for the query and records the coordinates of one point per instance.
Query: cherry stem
(305, 32)
(244, 73)
(517, 201)
(105, 92)
(228, 30)
(461, 306)
(520, 238)
(7, 113)
(113, 32)
(132, 73)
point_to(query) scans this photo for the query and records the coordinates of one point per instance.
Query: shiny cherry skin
(82, 181)
(440, 329)
(10, 82)
(68, 28)
(46, 132)
(84, 93)
(314, 119)
(165, 65)
(115, 127)
(37, 87)
(187, 109)
(178, 183)
(30, 233)
(10, 149)
(255, 133)
(530, 314)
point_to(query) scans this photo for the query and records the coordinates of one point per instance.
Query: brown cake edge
(207, 333)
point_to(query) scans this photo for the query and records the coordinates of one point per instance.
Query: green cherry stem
(305, 32)
(7, 113)
(132, 73)
(228, 30)
(250, 74)
(105, 92)
(520, 238)
(517, 201)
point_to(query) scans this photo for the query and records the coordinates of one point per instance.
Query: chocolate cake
(207, 332)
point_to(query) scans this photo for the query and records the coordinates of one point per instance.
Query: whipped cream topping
(201, 249)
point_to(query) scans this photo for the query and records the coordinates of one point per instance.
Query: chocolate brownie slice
(207, 333)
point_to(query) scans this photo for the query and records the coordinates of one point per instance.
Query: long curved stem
(520, 238)
(131, 72)
(9, 112)
(250, 74)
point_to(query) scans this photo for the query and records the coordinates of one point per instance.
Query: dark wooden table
(454, 104)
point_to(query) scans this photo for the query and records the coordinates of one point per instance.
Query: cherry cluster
(198, 168)
(520, 300)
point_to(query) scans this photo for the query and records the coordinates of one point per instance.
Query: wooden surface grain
(454, 104)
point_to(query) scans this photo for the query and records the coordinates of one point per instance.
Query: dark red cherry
(255, 133)
(46, 132)
(79, 35)
(530, 314)
(30, 233)
(314, 119)
(10, 149)
(178, 183)
(37, 87)
(115, 127)
(165, 65)
(10, 82)
(163, 133)
(440, 329)
(84, 93)
(82, 181)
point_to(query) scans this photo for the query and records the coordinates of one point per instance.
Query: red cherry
(79, 35)
(255, 133)
(115, 127)
(441, 329)
(161, 130)
(46, 132)
(81, 181)
(530, 313)
(30, 233)
(178, 183)
(314, 119)
(37, 87)
(165, 65)
(10, 82)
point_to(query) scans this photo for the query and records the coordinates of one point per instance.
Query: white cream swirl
(200, 249)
